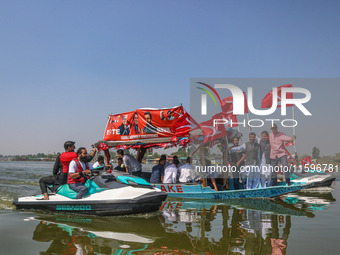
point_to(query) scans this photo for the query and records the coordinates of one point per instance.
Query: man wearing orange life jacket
(60, 169)
(77, 173)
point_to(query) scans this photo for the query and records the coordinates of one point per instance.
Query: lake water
(300, 224)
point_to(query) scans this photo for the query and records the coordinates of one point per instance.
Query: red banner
(148, 124)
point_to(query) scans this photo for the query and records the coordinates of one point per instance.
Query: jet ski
(318, 180)
(115, 193)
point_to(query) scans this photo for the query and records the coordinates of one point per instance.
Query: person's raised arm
(239, 148)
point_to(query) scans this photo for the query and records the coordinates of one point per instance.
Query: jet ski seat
(91, 186)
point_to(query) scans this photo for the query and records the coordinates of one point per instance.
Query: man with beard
(60, 169)
(77, 172)
(149, 128)
(252, 156)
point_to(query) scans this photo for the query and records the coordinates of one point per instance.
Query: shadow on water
(223, 227)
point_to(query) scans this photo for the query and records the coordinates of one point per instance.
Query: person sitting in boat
(185, 171)
(120, 166)
(171, 172)
(77, 172)
(149, 128)
(237, 161)
(252, 156)
(179, 164)
(132, 166)
(265, 160)
(60, 169)
(99, 162)
(167, 163)
(124, 129)
(157, 174)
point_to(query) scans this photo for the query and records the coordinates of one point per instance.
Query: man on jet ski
(77, 172)
(60, 169)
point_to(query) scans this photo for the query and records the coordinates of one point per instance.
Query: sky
(66, 65)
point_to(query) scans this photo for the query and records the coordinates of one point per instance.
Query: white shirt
(185, 173)
(265, 168)
(170, 174)
(97, 164)
(132, 163)
(73, 166)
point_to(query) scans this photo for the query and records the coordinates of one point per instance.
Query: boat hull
(106, 207)
(197, 191)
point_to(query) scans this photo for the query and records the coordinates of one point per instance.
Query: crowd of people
(255, 165)
(257, 161)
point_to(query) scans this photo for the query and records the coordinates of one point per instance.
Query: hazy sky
(66, 65)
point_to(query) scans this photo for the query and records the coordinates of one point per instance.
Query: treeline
(35, 157)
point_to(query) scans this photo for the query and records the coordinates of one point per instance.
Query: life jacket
(79, 169)
(66, 158)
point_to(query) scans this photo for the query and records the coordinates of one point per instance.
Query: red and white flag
(306, 161)
(267, 101)
(287, 144)
(211, 133)
(231, 120)
(227, 104)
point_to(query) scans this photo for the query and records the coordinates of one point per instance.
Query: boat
(179, 130)
(197, 191)
(321, 182)
(108, 194)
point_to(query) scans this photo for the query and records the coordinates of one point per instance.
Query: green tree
(316, 152)
(182, 152)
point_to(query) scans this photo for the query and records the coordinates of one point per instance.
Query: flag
(287, 144)
(211, 133)
(267, 101)
(232, 119)
(184, 125)
(227, 104)
(306, 161)
(289, 156)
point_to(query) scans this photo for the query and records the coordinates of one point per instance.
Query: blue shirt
(157, 172)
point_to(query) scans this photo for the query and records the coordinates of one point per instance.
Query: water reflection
(232, 227)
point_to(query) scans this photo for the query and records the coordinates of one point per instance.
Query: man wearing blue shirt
(157, 174)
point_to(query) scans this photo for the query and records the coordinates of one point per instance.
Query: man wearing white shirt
(186, 172)
(77, 173)
(171, 172)
(100, 162)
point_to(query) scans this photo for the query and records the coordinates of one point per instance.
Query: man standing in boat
(132, 166)
(237, 160)
(265, 160)
(77, 172)
(278, 153)
(252, 156)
